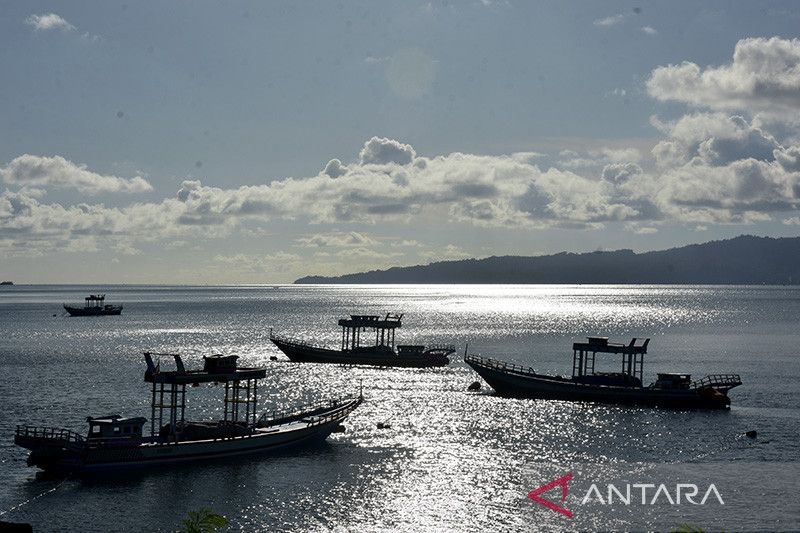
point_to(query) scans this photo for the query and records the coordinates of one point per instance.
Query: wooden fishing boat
(95, 306)
(114, 443)
(353, 352)
(587, 384)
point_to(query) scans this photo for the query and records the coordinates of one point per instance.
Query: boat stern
(51, 448)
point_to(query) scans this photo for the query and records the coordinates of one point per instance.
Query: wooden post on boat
(584, 355)
(383, 327)
(217, 369)
(153, 412)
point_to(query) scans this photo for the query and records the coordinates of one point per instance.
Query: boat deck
(280, 421)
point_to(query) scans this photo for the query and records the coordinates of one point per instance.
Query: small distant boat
(587, 384)
(352, 352)
(117, 444)
(6, 282)
(95, 306)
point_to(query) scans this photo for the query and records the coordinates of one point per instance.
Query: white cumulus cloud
(380, 151)
(764, 76)
(57, 172)
(334, 168)
(336, 239)
(710, 166)
(49, 21)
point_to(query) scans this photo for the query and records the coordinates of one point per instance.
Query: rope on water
(33, 499)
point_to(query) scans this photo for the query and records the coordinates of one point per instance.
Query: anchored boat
(587, 384)
(95, 306)
(114, 443)
(352, 352)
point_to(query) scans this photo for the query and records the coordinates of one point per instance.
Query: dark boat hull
(86, 460)
(522, 384)
(93, 311)
(303, 353)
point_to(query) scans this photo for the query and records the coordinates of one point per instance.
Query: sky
(258, 142)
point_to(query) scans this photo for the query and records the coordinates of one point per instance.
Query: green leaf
(203, 521)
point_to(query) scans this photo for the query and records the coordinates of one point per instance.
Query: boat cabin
(410, 349)
(115, 427)
(95, 300)
(383, 326)
(584, 355)
(220, 363)
(673, 381)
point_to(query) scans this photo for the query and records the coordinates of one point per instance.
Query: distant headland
(742, 260)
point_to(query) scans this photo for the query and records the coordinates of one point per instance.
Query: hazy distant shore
(743, 260)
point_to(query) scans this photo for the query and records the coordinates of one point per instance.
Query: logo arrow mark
(560, 482)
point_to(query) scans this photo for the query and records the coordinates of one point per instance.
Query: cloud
(742, 191)
(596, 158)
(703, 183)
(708, 167)
(336, 239)
(52, 22)
(641, 230)
(187, 186)
(380, 151)
(788, 158)
(620, 172)
(764, 76)
(334, 168)
(448, 253)
(259, 264)
(649, 30)
(607, 22)
(30, 227)
(57, 172)
(717, 168)
(491, 191)
(126, 248)
(365, 253)
(49, 21)
(714, 139)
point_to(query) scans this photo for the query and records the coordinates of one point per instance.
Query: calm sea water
(452, 460)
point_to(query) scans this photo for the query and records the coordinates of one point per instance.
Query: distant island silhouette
(742, 260)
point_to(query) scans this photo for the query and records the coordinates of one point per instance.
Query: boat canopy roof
(217, 368)
(390, 321)
(601, 345)
(115, 420)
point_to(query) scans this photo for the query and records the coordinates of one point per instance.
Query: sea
(446, 458)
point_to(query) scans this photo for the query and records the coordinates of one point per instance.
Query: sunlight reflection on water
(452, 460)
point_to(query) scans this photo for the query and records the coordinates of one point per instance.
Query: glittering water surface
(451, 460)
